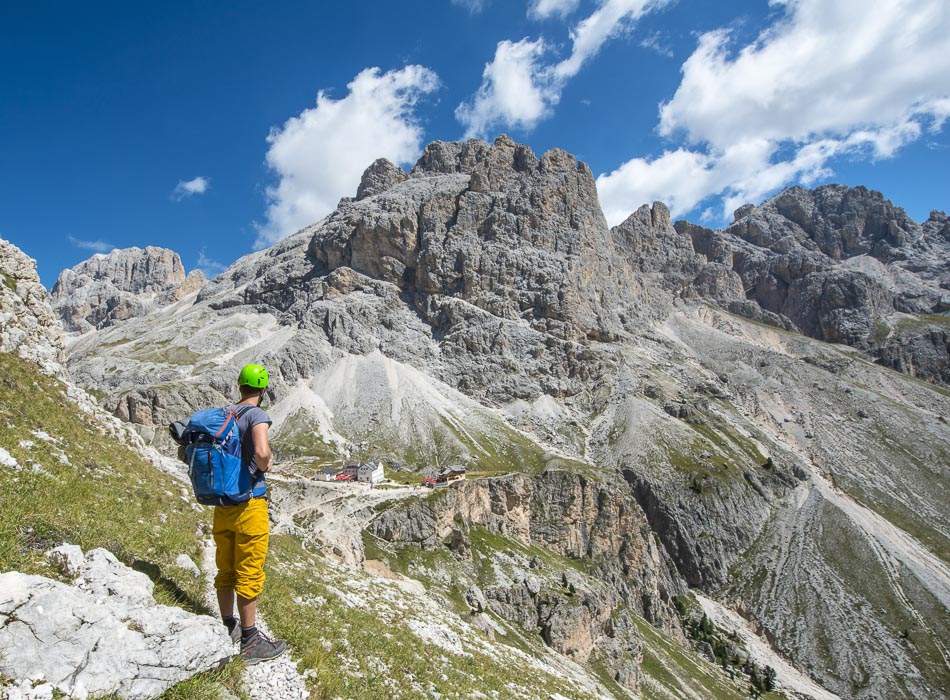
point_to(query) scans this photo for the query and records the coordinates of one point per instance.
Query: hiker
(241, 531)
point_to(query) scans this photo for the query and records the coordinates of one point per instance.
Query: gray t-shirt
(250, 418)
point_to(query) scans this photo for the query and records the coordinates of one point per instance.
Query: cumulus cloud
(320, 154)
(828, 78)
(97, 246)
(612, 18)
(189, 188)
(542, 9)
(516, 90)
(519, 87)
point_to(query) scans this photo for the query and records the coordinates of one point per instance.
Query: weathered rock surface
(27, 324)
(839, 264)
(105, 635)
(575, 517)
(110, 288)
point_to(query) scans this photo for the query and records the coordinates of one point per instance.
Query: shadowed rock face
(108, 289)
(520, 237)
(841, 264)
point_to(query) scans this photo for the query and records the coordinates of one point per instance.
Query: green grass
(208, 685)
(370, 652)
(921, 320)
(8, 282)
(107, 496)
(879, 332)
(163, 352)
(299, 438)
(672, 668)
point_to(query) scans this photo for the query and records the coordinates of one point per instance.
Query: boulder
(476, 599)
(68, 559)
(104, 635)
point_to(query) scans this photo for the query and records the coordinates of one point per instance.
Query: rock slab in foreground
(104, 635)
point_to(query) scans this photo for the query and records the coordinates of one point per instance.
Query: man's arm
(262, 454)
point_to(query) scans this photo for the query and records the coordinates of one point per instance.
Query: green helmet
(253, 376)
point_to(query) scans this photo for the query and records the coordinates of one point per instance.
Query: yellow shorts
(240, 537)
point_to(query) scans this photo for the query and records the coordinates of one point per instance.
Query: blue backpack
(219, 475)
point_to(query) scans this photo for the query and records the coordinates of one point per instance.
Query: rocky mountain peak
(113, 287)
(28, 325)
(493, 225)
(379, 177)
(840, 264)
(937, 226)
(837, 220)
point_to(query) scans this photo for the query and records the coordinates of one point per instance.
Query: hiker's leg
(247, 610)
(226, 602)
(226, 577)
(250, 551)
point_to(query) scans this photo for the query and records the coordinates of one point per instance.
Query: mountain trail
(335, 513)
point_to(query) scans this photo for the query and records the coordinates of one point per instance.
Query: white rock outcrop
(28, 326)
(104, 634)
(109, 288)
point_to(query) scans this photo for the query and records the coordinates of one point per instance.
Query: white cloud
(679, 178)
(320, 154)
(97, 246)
(830, 77)
(519, 89)
(516, 90)
(542, 9)
(613, 17)
(209, 266)
(189, 188)
(473, 6)
(658, 43)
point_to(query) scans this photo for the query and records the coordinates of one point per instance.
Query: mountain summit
(113, 287)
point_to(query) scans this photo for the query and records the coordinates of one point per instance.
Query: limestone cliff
(27, 324)
(844, 265)
(114, 287)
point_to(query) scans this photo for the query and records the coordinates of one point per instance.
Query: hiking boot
(235, 632)
(261, 648)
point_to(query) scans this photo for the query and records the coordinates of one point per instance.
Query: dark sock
(230, 622)
(248, 633)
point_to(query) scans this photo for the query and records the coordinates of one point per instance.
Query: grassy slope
(86, 488)
(353, 630)
(89, 489)
(669, 670)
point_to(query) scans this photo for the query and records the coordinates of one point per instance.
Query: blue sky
(197, 126)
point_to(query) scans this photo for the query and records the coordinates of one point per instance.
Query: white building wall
(372, 475)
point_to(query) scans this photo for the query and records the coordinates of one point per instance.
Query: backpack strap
(226, 428)
(242, 411)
